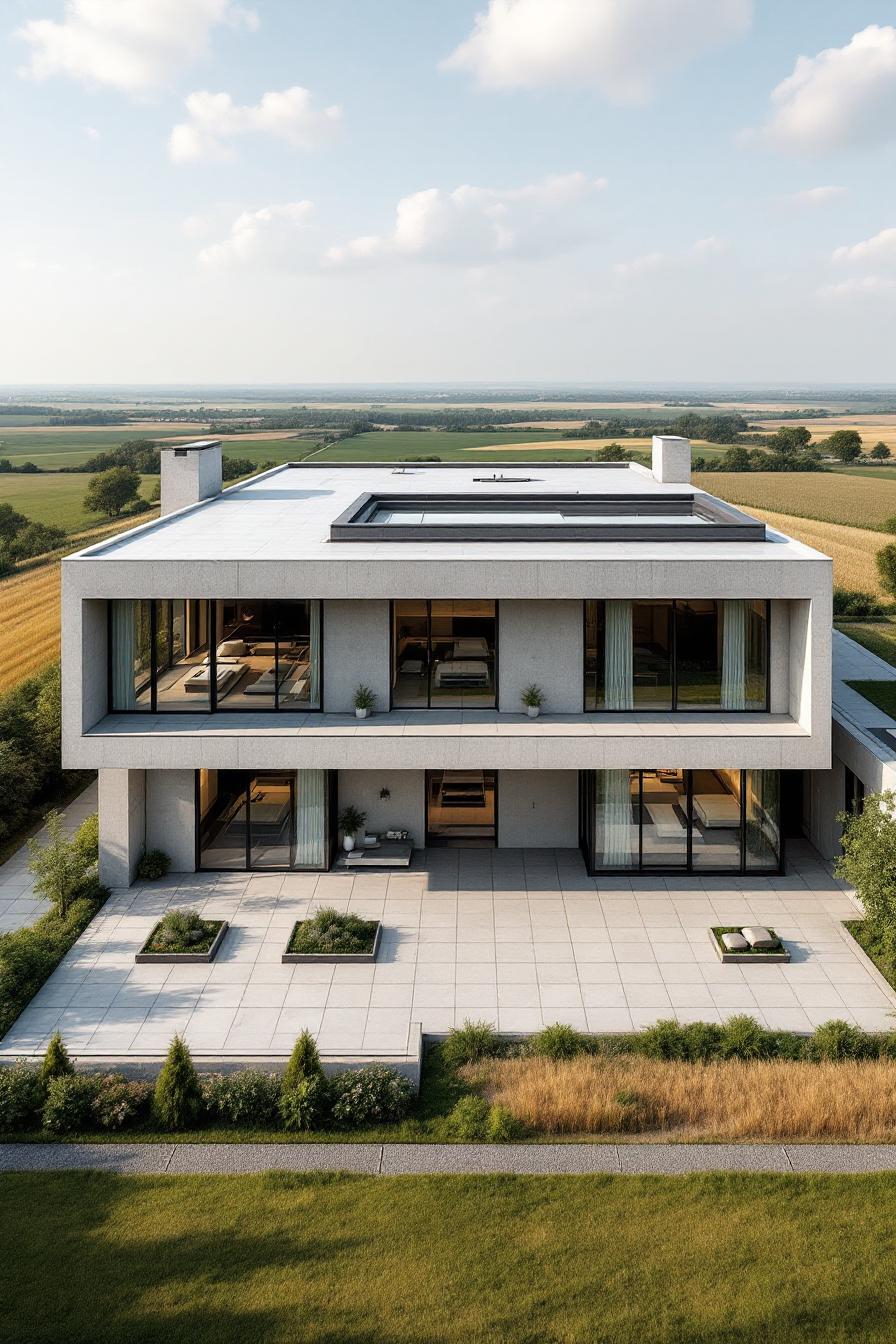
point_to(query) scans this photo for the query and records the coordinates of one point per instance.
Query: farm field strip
(29, 623)
(852, 501)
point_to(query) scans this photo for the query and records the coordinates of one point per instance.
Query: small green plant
(351, 820)
(501, 1126)
(743, 1038)
(86, 840)
(331, 932)
(119, 1103)
(177, 1098)
(533, 697)
(702, 1041)
(57, 865)
(468, 1119)
(56, 1063)
(664, 1040)
(154, 864)
(69, 1104)
(627, 1098)
(558, 1041)
(372, 1094)
(248, 1097)
(469, 1043)
(304, 1062)
(364, 697)
(304, 1106)
(837, 1040)
(182, 931)
(868, 862)
(21, 1096)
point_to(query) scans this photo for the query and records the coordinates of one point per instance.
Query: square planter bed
(752, 955)
(289, 955)
(200, 952)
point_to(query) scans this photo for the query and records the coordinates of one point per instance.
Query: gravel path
(400, 1159)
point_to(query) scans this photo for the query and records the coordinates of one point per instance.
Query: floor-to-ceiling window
(444, 654)
(461, 808)
(681, 820)
(257, 820)
(694, 654)
(178, 655)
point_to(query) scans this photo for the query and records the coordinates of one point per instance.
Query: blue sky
(399, 190)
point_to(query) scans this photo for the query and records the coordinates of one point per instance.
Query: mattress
(717, 809)
(226, 676)
(467, 670)
(470, 646)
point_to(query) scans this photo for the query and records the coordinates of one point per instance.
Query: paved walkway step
(412, 1159)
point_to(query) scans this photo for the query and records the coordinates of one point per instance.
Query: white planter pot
(361, 713)
(533, 711)
(348, 843)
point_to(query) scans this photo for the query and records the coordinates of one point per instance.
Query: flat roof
(287, 514)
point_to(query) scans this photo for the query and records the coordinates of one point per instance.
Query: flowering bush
(69, 1103)
(246, 1098)
(368, 1094)
(119, 1102)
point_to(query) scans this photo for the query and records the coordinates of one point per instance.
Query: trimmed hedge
(29, 956)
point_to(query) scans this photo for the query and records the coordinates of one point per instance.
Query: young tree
(880, 452)
(109, 492)
(58, 865)
(56, 1063)
(11, 523)
(177, 1099)
(868, 861)
(886, 567)
(845, 444)
(790, 439)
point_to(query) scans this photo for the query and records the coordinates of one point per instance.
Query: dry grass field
(29, 623)
(855, 501)
(728, 1101)
(852, 549)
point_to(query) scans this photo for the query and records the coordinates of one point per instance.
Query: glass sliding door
(461, 808)
(698, 643)
(663, 820)
(181, 655)
(263, 820)
(444, 654)
(130, 654)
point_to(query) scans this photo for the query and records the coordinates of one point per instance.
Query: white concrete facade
(270, 538)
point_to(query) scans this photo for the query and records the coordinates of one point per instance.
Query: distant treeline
(142, 455)
(711, 428)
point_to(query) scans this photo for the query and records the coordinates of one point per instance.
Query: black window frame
(587, 836)
(673, 657)
(209, 705)
(330, 836)
(853, 792)
(428, 601)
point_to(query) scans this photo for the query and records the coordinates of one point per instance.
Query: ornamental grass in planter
(331, 936)
(183, 935)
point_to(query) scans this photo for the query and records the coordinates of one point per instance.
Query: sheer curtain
(124, 653)
(314, 653)
(618, 675)
(614, 819)
(311, 816)
(734, 654)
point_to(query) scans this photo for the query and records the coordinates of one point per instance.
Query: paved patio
(18, 904)
(519, 937)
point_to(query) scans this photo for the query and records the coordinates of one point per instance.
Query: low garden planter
(337, 957)
(750, 955)
(201, 952)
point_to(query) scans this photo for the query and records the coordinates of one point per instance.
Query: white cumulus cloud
(871, 252)
(650, 262)
(813, 196)
(279, 236)
(215, 119)
(841, 98)
(620, 46)
(132, 45)
(475, 226)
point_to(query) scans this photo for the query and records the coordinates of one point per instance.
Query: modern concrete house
(682, 648)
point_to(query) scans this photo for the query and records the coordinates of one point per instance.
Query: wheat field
(731, 1100)
(29, 623)
(831, 497)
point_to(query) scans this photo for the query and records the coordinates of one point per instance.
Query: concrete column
(190, 472)
(671, 461)
(122, 811)
(171, 816)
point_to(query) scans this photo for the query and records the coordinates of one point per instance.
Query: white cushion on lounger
(232, 648)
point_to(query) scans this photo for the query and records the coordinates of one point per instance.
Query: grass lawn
(359, 1260)
(56, 499)
(880, 693)
(878, 636)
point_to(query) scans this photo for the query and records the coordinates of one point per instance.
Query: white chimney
(671, 459)
(190, 472)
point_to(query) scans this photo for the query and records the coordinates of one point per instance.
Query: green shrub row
(31, 775)
(61, 1101)
(740, 1037)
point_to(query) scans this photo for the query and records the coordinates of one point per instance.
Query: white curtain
(618, 675)
(311, 814)
(124, 653)
(734, 654)
(614, 818)
(314, 653)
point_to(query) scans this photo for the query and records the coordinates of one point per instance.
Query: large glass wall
(263, 820)
(725, 821)
(262, 655)
(444, 654)
(698, 654)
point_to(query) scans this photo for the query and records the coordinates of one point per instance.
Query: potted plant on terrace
(350, 822)
(533, 698)
(364, 701)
